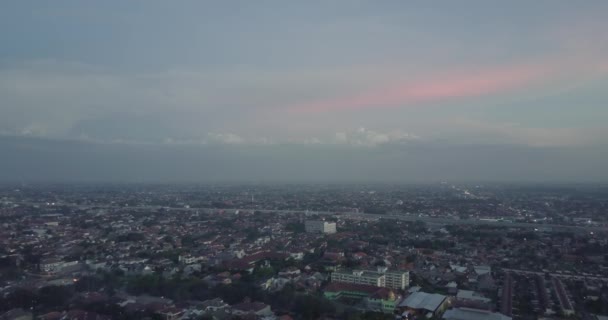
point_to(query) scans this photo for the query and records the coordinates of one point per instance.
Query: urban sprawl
(436, 251)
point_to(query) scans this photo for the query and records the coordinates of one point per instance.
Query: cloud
(360, 137)
(224, 138)
(439, 88)
(370, 138)
(34, 129)
(72, 100)
(471, 131)
(216, 138)
(457, 85)
(64, 95)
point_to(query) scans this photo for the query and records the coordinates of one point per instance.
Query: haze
(303, 91)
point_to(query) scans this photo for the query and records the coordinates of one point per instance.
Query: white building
(369, 278)
(296, 255)
(54, 265)
(381, 278)
(315, 226)
(397, 279)
(187, 259)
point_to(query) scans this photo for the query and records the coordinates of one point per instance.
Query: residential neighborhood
(117, 253)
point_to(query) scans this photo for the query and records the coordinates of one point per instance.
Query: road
(402, 217)
(557, 275)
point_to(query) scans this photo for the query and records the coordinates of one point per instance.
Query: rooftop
(423, 300)
(473, 314)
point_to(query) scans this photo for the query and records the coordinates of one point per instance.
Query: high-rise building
(320, 226)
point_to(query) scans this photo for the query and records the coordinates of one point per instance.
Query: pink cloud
(456, 85)
(581, 55)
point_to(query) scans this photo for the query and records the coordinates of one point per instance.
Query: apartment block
(380, 278)
(320, 227)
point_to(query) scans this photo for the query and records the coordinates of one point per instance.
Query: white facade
(50, 266)
(387, 279)
(320, 227)
(397, 279)
(296, 255)
(188, 259)
(369, 278)
(56, 265)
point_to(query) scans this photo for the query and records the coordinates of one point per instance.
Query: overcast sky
(334, 80)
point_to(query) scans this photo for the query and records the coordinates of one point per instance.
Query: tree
(19, 298)
(89, 283)
(411, 258)
(296, 227)
(54, 296)
(187, 240)
(380, 263)
(312, 307)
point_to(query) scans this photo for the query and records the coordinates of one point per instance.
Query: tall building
(397, 279)
(320, 226)
(381, 278)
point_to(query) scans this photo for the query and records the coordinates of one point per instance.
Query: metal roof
(423, 300)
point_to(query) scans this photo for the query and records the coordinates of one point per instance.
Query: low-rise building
(375, 298)
(55, 265)
(467, 295)
(423, 303)
(314, 226)
(252, 308)
(473, 314)
(364, 277)
(381, 278)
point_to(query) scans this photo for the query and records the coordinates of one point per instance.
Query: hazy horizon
(35, 159)
(307, 91)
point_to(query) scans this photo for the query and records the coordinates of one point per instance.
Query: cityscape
(437, 251)
(303, 160)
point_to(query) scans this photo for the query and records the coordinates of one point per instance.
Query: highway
(402, 217)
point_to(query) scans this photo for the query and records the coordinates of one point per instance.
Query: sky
(276, 86)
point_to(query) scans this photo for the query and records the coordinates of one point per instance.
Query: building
(314, 226)
(473, 314)
(55, 265)
(467, 295)
(17, 314)
(422, 303)
(214, 305)
(384, 300)
(564, 300)
(171, 313)
(50, 265)
(381, 278)
(364, 277)
(397, 279)
(252, 309)
(374, 298)
(187, 259)
(337, 290)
